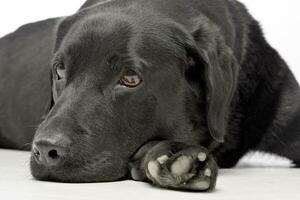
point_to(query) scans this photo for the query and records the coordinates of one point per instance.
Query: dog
(161, 91)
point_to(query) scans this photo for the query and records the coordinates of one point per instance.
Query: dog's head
(119, 81)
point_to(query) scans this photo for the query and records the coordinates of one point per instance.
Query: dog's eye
(130, 79)
(60, 71)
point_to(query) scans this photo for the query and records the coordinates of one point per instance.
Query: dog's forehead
(95, 39)
(95, 36)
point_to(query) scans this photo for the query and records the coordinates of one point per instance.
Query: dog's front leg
(175, 165)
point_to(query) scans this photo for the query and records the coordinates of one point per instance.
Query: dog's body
(237, 87)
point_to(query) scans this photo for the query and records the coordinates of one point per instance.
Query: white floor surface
(243, 183)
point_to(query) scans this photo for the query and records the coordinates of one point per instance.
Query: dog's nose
(48, 154)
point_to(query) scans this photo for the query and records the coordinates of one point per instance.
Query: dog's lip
(78, 173)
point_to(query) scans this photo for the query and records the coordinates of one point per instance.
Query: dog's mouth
(79, 171)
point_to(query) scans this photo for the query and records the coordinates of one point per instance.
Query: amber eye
(130, 79)
(60, 70)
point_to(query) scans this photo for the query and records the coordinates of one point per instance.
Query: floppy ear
(212, 60)
(89, 3)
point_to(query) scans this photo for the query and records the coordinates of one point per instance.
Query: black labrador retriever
(163, 91)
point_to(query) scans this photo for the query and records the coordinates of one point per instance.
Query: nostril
(48, 154)
(53, 154)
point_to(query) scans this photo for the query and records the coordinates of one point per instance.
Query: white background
(280, 20)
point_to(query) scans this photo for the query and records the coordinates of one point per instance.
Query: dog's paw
(188, 169)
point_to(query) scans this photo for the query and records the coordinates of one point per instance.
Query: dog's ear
(89, 3)
(211, 63)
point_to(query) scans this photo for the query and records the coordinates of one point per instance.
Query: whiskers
(34, 127)
(27, 146)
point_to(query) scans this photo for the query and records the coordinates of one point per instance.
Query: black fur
(209, 78)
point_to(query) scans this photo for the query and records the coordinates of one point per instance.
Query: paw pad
(207, 172)
(199, 185)
(202, 156)
(162, 159)
(182, 165)
(153, 168)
